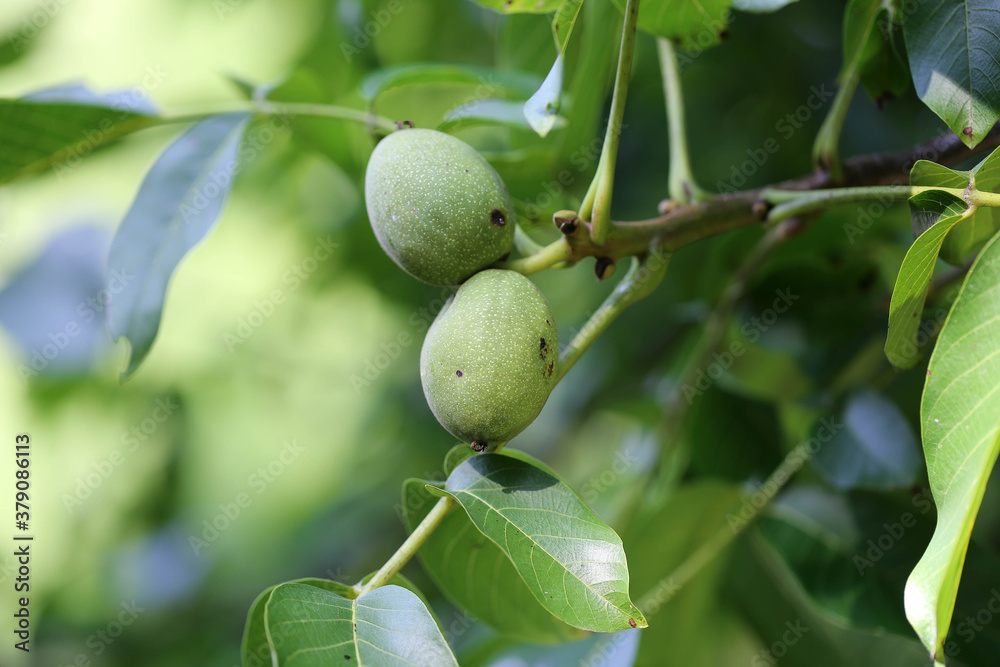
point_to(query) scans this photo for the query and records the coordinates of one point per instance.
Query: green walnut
(437, 207)
(490, 358)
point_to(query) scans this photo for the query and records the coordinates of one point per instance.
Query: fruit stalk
(409, 547)
(642, 278)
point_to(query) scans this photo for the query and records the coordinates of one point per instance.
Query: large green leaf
(390, 626)
(690, 24)
(875, 450)
(255, 649)
(177, 204)
(913, 281)
(572, 562)
(952, 46)
(477, 576)
(37, 134)
(960, 418)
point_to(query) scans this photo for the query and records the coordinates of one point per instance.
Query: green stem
(373, 121)
(723, 537)
(545, 258)
(642, 277)
(409, 548)
(795, 202)
(826, 148)
(609, 154)
(524, 243)
(681, 184)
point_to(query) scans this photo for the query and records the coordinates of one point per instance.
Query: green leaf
(255, 650)
(477, 576)
(522, 6)
(693, 25)
(870, 46)
(505, 82)
(914, 279)
(875, 450)
(564, 21)
(542, 109)
(390, 626)
(952, 46)
(177, 204)
(456, 455)
(573, 563)
(960, 418)
(37, 134)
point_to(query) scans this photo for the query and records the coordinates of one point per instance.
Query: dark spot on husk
(548, 371)
(541, 344)
(458, 373)
(498, 218)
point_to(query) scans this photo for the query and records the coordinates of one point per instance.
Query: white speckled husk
(499, 332)
(431, 200)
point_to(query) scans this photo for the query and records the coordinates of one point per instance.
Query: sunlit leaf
(307, 626)
(960, 418)
(952, 46)
(542, 109)
(690, 24)
(573, 563)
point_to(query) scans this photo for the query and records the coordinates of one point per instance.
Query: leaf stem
(642, 278)
(681, 185)
(548, 256)
(605, 177)
(409, 547)
(795, 202)
(826, 148)
(373, 121)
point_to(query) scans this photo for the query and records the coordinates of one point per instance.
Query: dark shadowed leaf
(177, 204)
(520, 6)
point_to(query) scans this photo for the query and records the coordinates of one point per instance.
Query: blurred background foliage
(288, 377)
